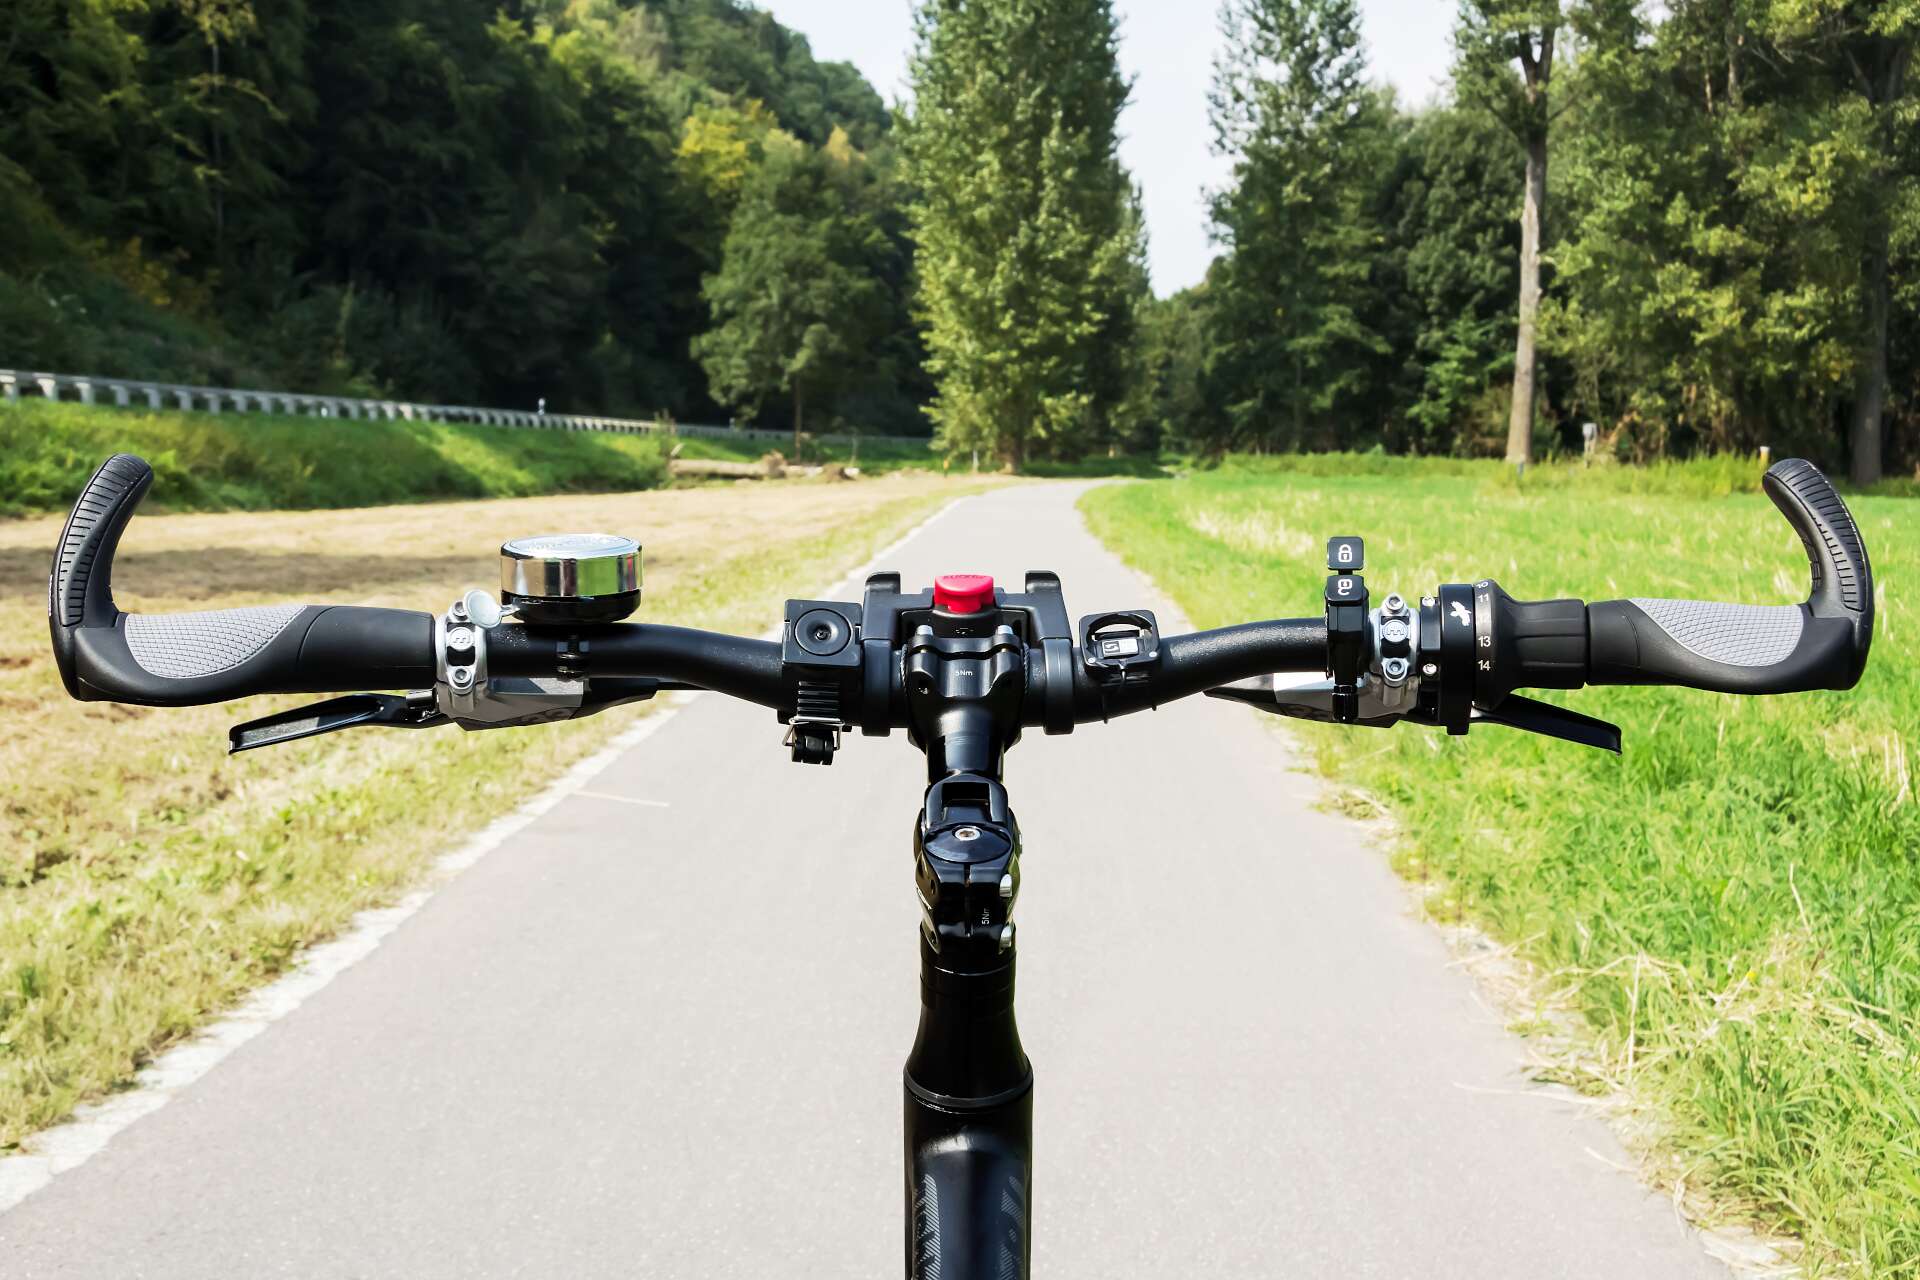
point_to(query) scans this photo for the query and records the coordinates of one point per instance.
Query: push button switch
(963, 592)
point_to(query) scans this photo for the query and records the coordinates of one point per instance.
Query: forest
(440, 199)
(1692, 224)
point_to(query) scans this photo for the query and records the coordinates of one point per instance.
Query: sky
(1168, 47)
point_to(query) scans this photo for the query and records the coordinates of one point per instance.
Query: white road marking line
(608, 795)
(71, 1144)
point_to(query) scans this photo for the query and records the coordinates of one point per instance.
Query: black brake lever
(1554, 722)
(1313, 702)
(414, 711)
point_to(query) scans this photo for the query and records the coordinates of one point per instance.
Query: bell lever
(414, 711)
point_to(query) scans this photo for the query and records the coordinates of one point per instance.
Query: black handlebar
(188, 659)
(185, 659)
(1733, 648)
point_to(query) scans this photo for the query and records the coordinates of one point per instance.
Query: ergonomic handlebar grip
(186, 659)
(1734, 648)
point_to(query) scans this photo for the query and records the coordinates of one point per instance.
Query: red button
(963, 592)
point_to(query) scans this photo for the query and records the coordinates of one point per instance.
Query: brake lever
(1553, 722)
(416, 710)
(1316, 700)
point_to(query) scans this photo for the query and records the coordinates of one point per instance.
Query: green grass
(1732, 908)
(1715, 476)
(257, 462)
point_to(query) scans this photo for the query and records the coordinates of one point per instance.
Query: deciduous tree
(1505, 62)
(1025, 243)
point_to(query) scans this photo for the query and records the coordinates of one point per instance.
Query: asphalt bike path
(660, 1032)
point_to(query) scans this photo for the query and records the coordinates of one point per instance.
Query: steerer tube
(969, 1087)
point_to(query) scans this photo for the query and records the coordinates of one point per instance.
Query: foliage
(1026, 233)
(1727, 911)
(1490, 38)
(1451, 268)
(798, 302)
(1734, 232)
(1711, 273)
(1291, 347)
(444, 200)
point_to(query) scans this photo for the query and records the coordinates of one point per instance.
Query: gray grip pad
(1739, 635)
(182, 646)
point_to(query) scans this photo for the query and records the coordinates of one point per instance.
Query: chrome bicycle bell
(570, 578)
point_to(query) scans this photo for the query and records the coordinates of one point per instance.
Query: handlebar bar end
(80, 587)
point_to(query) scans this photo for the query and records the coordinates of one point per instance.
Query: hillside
(488, 203)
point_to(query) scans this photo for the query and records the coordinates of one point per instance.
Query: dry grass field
(147, 880)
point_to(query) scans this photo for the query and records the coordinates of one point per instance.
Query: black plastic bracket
(1119, 648)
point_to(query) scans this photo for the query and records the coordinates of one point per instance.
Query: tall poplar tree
(1292, 347)
(1026, 247)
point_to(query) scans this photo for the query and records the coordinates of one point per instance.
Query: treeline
(451, 199)
(1695, 225)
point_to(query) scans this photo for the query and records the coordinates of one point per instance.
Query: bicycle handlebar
(186, 659)
(1473, 645)
(1734, 648)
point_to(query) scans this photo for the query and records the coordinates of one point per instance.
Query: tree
(1718, 188)
(1167, 407)
(1454, 248)
(1022, 219)
(797, 296)
(1868, 46)
(1291, 349)
(1492, 36)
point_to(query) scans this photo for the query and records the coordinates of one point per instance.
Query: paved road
(665, 1040)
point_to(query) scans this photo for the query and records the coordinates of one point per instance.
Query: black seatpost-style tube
(968, 1086)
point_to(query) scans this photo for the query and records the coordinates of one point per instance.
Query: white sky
(1167, 46)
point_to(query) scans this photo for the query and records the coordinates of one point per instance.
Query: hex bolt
(1430, 670)
(460, 677)
(1395, 668)
(1395, 604)
(966, 833)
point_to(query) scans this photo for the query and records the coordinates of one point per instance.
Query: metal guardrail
(87, 389)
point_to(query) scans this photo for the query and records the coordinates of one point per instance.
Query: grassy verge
(1715, 476)
(1733, 907)
(260, 462)
(147, 880)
